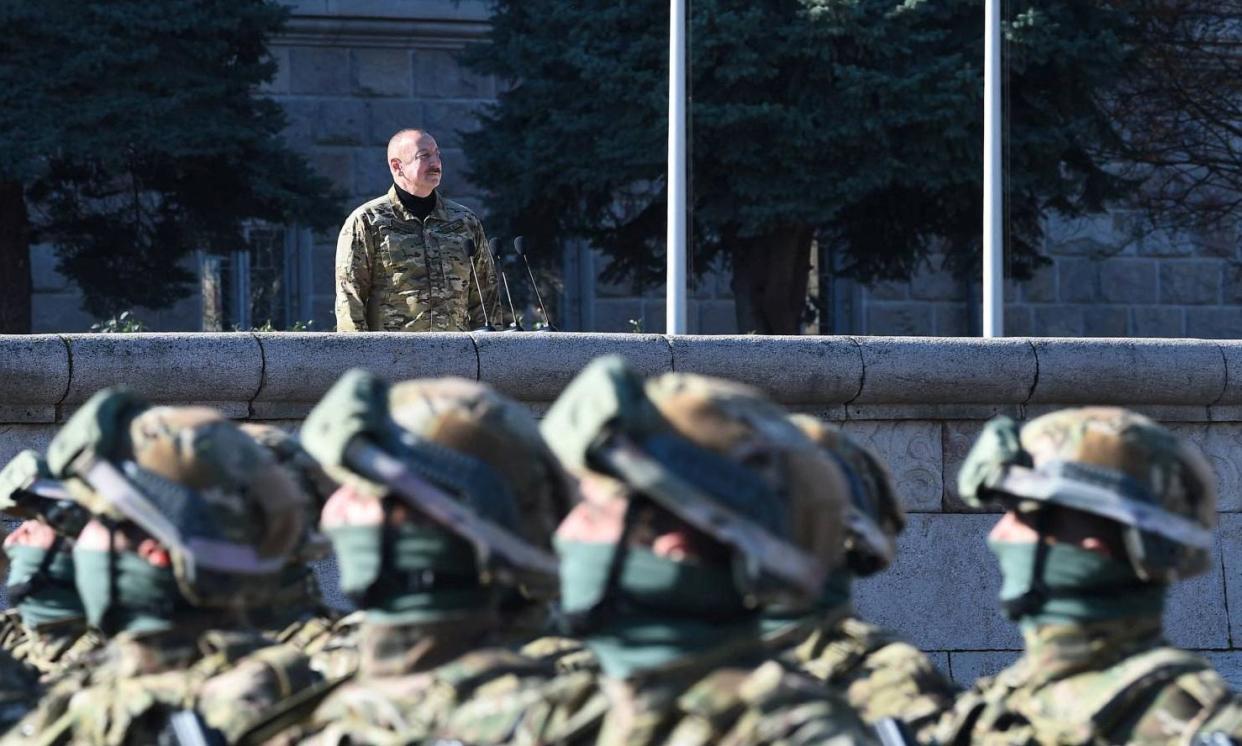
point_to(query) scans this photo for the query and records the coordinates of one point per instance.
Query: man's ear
(154, 553)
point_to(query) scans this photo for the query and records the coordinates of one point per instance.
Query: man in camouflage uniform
(297, 614)
(20, 688)
(881, 675)
(438, 594)
(402, 262)
(45, 627)
(1105, 509)
(691, 488)
(192, 523)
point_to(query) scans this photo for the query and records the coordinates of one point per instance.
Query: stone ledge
(792, 370)
(299, 367)
(536, 366)
(1129, 371)
(36, 377)
(916, 370)
(279, 375)
(219, 370)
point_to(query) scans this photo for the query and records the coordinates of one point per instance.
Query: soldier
(881, 675)
(1105, 508)
(402, 260)
(691, 488)
(45, 627)
(192, 524)
(442, 532)
(297, 614)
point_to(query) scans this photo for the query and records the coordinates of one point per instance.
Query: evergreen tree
(131, 134)
(857, 121)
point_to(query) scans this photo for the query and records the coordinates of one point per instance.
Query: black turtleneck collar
(421, 207)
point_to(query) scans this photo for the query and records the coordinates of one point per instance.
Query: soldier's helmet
(226, 512)
(1111, 463)
(460, 454)
(28, 491)
(875, 517)
(299, 590)
(717, 455)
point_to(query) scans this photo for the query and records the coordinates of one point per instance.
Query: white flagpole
(675, 307)
(993, 182)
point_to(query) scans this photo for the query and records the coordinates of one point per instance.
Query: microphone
(494, 246)
(519, 246)
(487, 323)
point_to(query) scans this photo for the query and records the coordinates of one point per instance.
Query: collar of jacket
(1056, 651)
(439, 213)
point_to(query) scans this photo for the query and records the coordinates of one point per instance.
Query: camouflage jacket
(228, 678)
(335, 654)
(714, 698)
(409, 677)
(564, 653)
(396, 273)
(881, 675)
(48, 648)
(1107, 683)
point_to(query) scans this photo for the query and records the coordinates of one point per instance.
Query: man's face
(418, 171)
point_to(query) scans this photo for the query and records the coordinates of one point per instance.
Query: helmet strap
(1036, 595)
(18, 592)
(593, 619)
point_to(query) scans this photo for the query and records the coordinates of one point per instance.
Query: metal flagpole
(675, 307)
(993, 183)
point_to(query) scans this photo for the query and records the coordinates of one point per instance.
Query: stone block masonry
(918, 402)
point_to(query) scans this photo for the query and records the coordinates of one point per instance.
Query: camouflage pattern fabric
(564, 653)
(693, 703)
(409, 677)
(1110, 683)
(881, 675)
(396, 273)
(49, 648)
(336, 654)
(230, 678)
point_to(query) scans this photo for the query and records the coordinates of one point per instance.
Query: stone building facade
(352, 72)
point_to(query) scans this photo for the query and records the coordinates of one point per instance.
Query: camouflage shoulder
(378, 209)
(565, 709)
(239, 696)
(897, 680)
(769, 704)
(458, 211)
(986, 697)
(336, 655)
(480, 667)
(565, 653)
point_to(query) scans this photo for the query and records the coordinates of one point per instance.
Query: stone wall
(1105, 278)
(917, 401)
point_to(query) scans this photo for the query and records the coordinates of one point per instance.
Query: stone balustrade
(916, 401)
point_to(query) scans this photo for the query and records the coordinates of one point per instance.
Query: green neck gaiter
(430, 575)
(834, 595)
(52, 596)
(1118, 593)
(145, 598)
(666, 610)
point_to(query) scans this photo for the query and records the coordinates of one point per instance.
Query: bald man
(401, 259)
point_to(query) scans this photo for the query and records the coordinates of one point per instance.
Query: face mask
(668, 609)
(143, 599)
(394, 593)
(51, 596)
(1096, 587)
